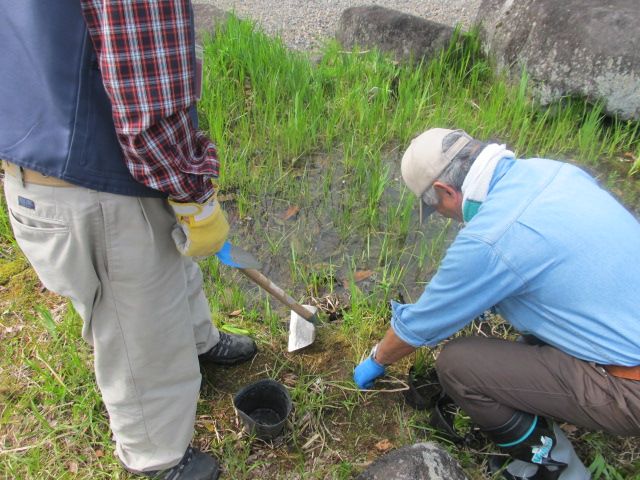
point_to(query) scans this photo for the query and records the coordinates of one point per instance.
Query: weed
(420, 362)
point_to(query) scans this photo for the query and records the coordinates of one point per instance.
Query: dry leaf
(235, 313)
(99, 453)
(384, 445)
(291, 211)
(311, 441)
(290, 379)
(362, 275)
(357, 277)
(72, 467)
(12, 329)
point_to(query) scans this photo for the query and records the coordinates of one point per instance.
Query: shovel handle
(277, 292)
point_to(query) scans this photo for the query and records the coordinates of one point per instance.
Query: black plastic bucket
(263, 407)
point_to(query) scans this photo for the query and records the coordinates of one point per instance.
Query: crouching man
(559, 258)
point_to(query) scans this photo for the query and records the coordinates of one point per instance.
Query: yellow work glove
(202, 228)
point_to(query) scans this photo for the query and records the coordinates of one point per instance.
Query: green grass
(322, 138)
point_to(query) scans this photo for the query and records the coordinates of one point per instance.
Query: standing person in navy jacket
(110, 193)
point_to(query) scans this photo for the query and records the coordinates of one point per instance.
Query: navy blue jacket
(55, 116)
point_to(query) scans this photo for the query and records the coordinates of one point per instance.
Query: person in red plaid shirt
(110, 190)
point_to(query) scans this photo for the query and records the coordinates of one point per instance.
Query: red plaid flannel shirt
(144, 50)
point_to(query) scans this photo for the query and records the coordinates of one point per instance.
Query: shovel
(302, 330)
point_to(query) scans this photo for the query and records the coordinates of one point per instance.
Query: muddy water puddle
(313, 234)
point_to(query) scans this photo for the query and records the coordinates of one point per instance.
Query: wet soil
(323, 249)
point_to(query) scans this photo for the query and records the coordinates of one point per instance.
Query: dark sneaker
(195, 465)
(230, 350)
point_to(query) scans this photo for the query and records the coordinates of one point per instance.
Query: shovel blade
(302, 332)
(233, 256)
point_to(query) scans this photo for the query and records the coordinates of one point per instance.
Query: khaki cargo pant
(142, 303)
(490, 378)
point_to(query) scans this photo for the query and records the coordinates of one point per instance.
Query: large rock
(587, 48)
(422, 461)
(393, 32)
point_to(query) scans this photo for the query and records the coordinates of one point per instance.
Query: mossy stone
(10, 268)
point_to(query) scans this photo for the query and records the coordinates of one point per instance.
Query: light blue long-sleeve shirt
(557, 255)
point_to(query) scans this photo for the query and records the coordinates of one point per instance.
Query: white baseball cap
(425, 160)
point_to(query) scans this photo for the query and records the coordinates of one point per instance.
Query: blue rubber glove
(365, 373)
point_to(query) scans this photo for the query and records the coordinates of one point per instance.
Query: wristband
(374, 350)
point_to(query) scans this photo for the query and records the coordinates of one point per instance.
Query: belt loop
(21, 176)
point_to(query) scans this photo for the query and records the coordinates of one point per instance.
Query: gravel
(305, 24)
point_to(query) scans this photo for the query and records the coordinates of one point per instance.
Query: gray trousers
(491, 378)
(142, 304)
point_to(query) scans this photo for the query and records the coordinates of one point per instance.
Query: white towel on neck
(476, 184)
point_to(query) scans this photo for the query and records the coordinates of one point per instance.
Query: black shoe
(230, 350)
(195, 465)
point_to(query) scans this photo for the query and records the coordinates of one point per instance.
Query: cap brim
(425, 211)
